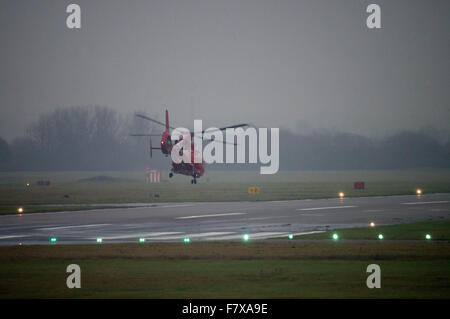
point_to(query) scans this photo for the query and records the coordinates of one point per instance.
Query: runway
(208, 221)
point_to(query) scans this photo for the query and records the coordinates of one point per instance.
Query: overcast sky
(275, 63)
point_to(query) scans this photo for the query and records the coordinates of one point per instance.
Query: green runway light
(335, 236)
(53, 240)
(246, 237)
(427, 236)
(99, 240)
(380, 236)
(142, 240)
(187, 240)
(291, 236)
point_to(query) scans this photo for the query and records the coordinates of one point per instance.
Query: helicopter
(194, 168)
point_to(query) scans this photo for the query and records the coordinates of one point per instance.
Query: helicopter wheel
(170, 175)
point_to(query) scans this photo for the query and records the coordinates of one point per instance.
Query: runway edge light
(291, 236)
(53, 239)
(142, 240)
(380, 236)
(246, 237)
(427, 236)
(187, 240)
(99, 240)
(335, 236)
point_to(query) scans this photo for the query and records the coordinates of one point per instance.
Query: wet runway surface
(208, 221)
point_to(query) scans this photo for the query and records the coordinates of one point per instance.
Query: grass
(129, 187)
(230, 279)
(295, 269)
(439, 230)
(269, 269)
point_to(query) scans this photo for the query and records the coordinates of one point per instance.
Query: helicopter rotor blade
(145, 117)
(231, 126)
(222, 128)
(145, 135)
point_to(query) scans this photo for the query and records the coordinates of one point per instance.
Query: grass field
(438, 230)
(270, 269)
(129, 187)
(411, 266)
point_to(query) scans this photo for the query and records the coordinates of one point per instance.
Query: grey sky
(275, 63)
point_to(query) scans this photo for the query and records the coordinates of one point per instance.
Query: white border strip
(424, 203)
(205, 216)
(322, 208)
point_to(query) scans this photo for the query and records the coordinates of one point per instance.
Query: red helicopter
(193, 169)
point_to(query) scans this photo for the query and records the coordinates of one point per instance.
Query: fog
(304, 66)
(98, 138)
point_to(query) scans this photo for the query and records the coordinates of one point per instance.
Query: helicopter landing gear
(194, 180)
(170, 175)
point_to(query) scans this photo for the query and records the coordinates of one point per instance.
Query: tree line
(98, 138)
